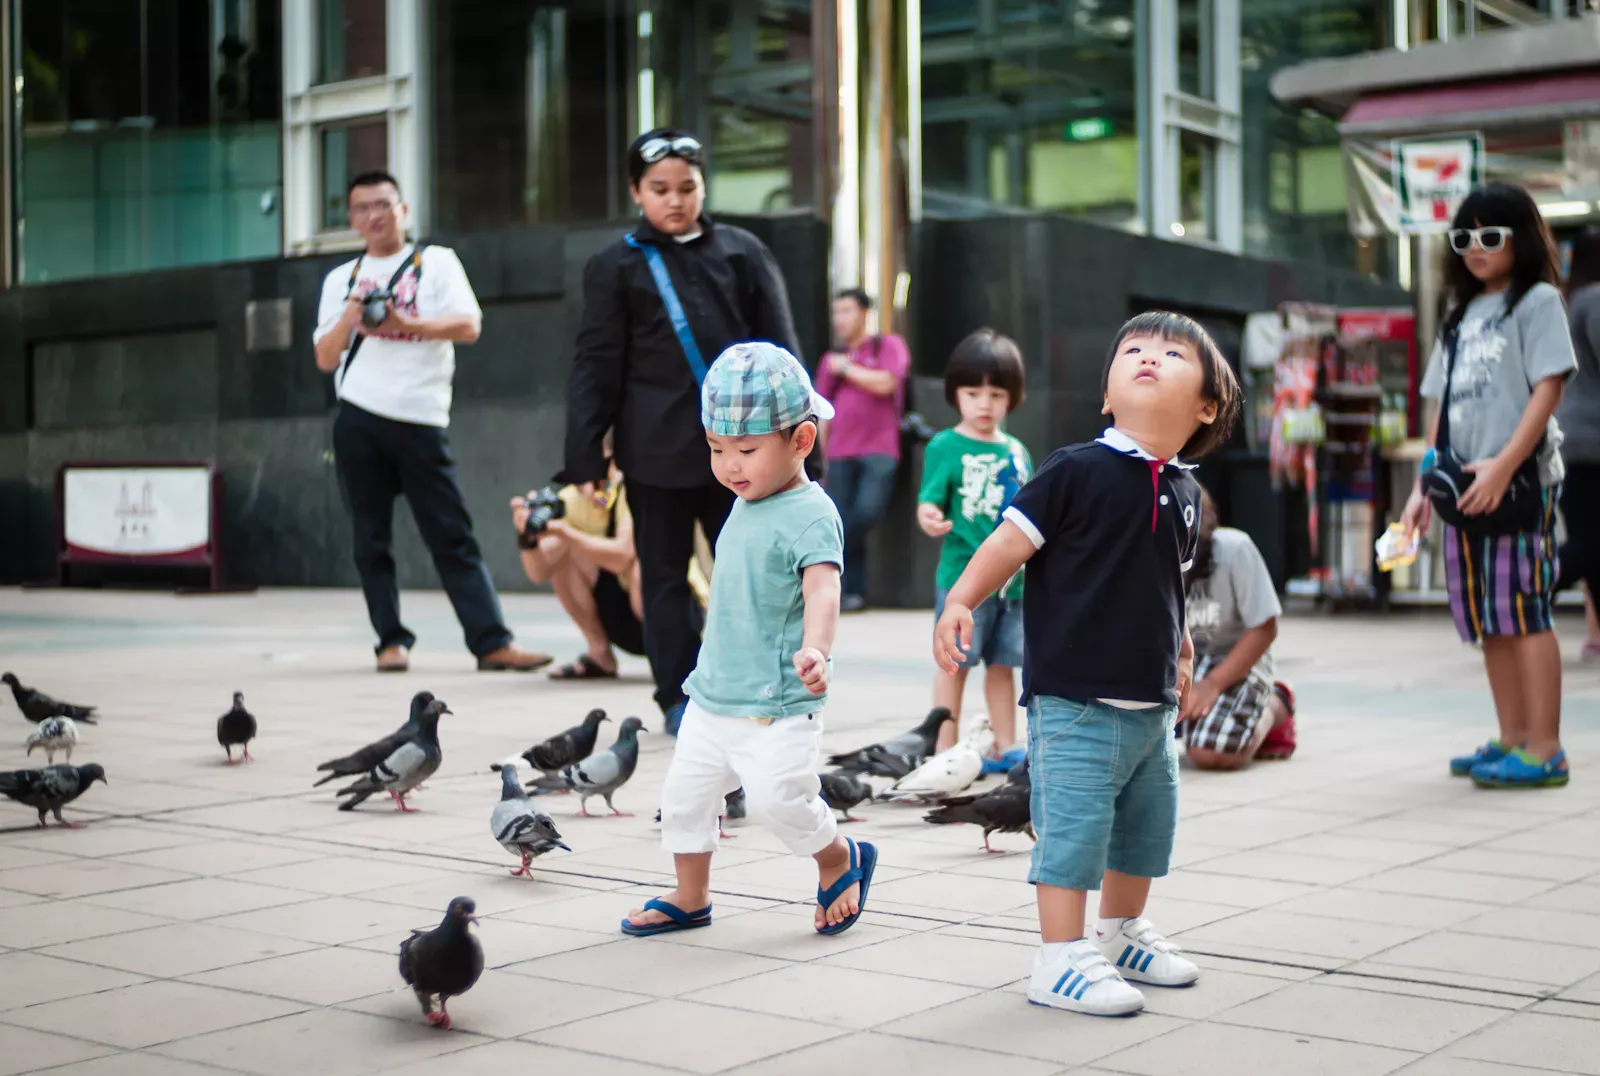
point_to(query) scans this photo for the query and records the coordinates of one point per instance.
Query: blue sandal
(1518, 769)
(677, 919)
(863, 861)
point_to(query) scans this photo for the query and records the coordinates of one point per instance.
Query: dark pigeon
(602, 773)
(1004, 809)
(842, 791)
(574, 745)
(51, 788)
(372, 754)
(236, 728)
(406, 767)
(910, 749)
(444, 962)
(36, 705)
(520, 827)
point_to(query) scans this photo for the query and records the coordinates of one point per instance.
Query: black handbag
(1522, 507)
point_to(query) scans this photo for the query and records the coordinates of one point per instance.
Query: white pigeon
(54, 734)
(950, 772)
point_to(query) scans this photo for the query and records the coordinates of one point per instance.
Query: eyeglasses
(683, 146)
(371, 209)
(1490, 240)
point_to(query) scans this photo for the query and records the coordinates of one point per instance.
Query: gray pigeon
(369, 756)
(51, 788)
(520, 827)
(842, 791)
(899, 755)
(445, 961)
(36, 705)
(236, 727)
(407, 766)
(601, 774)
(574, 745)
(54, 734)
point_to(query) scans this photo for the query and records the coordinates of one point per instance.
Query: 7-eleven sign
(1432, 176)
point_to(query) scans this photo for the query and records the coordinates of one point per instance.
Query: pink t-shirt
(864, 424)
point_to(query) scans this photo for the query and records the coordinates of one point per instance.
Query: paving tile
(1587, 990)
(1391, 853)
(1289, 867)
(1419, 1024)
(785, 934)
(495, 892)
(10, 898)
(1495, 958)
(316, 976)
(1426, 881)
(954, 892)
(180, 949)
(1368, 906)
(57, 921)
(1218, 1050)
(649, 966)
(504, 1006)
(212, 858)
(943, 958)
(1531, 865)
(341, 876)
(1546, 925)
(509, 943)
(827, 995)
(1582, 1010)
(504, 1058)
(108, 838)
(1536, 1041)
(23, 1050)
(685, 1035)
(320, 1041)
(890, 1055)
(14, 855)
(32, 979)
(132, 1017)
(1029, 1030)
(131, 1063)
(1217, 990)
(332, 920)
(1441, 1065)
(1569, 898)
(1192, 883)
(200, 898)
(1345, 939)
(81, 877)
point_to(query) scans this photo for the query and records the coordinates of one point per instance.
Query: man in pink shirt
(865, 382)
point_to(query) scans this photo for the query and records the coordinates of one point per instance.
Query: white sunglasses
(1490, 240)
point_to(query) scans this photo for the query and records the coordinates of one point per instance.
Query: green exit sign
(1088, 129)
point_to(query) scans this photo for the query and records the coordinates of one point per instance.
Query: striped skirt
(1503, 584)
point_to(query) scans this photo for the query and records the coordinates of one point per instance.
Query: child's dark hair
(1219, 387)
(986, 357)
(1533, 249)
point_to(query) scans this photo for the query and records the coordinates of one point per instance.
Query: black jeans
(1580, 507)
(663, 533)
(860, 488)
(378, 460)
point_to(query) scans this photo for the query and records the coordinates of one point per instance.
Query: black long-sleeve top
(630, 371)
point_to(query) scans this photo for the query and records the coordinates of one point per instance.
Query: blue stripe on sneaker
(1086, 984)
(1072, 984)
(1064, 977)
(1123, 959)
(1146, 965)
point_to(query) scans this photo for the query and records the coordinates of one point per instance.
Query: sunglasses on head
(1490, 240)
(683, 146)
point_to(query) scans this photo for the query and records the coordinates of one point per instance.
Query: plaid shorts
(1503, 584)
(1231, 725)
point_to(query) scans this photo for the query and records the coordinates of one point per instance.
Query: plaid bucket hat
(758, 388)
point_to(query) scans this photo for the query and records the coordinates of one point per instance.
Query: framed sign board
(139, 513)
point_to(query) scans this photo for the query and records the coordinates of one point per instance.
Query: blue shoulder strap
(669, 298)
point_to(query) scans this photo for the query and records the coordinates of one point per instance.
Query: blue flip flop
(677, 919)
(863, 861)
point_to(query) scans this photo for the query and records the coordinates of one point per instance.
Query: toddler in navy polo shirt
(1106, 530)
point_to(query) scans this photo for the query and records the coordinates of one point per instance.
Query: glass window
(1195, 69)
(150, 135)
(1196, 186)
(348, 150)
(1032, 106)
(352, 39)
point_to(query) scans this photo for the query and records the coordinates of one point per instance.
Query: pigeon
(518, 826)
(372, 754)
(574, 745)
(445, 961)
(237, 726)
(842, 791)
(51, 788)
(54, 734)
(879, 757)
(406, 767)
(1004, 808)
(601, 774)
(36, 705)
(948, 773)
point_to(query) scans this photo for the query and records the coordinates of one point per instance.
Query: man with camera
(387, 327)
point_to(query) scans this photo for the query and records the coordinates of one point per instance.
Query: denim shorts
(1105, 790)
(996, 631)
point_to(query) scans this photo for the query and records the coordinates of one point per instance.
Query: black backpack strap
(413, 263)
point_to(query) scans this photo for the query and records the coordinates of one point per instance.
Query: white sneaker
(1082, 980)
(1143, 955)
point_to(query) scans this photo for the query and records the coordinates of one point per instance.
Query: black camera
(543, 506)
(375, 308)
(916, 427)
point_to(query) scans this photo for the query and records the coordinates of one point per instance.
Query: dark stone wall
(158, 366)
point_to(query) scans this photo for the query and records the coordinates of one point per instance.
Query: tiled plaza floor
(1357, 912)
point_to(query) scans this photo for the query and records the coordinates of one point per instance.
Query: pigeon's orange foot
(439, 1019)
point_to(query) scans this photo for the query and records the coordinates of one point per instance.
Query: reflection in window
(150, 135)
(347, 151)
(1195, 74)
(1031, 106)
(1197, 206)
(352, 39)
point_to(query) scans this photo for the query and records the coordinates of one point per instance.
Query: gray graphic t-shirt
(1498, 362)
(1237, 596)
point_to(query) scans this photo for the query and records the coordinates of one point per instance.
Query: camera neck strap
(669, 299)
(412, 264)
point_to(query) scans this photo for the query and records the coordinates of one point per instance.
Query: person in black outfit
(633, 372)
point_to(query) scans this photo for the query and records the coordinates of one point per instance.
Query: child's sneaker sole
(1131, 1007)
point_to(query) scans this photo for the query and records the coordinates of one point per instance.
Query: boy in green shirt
(969, 475)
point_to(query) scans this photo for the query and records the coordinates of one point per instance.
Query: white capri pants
(775, 761)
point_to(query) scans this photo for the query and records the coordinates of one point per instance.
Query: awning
(1463, 106)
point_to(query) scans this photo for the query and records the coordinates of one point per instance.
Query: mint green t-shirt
(971, 482)
(756, 619)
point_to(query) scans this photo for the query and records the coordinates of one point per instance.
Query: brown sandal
(584, 668)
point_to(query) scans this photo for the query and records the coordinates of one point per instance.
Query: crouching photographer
(584, 549)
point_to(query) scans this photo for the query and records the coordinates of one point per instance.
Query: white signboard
(138, 511)
(1432, 176)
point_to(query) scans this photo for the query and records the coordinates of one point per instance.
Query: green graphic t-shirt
(971, 482)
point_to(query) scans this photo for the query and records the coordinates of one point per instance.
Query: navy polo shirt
(1102, 605)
